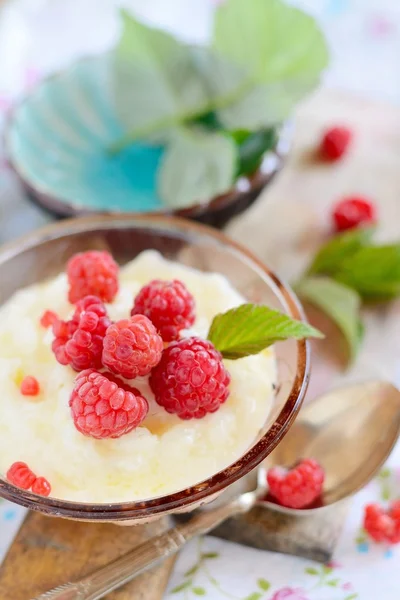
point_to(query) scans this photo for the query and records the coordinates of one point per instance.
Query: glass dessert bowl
(43, 255)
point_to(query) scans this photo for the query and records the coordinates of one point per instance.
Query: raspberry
(190, 380)
(48, 318)
(299, 487)
(41, 487)
(335, 143)
(168, 305)
(30, 386)
(20, 475)
(79, 342)
(105, 407)
(92, 272)
(132, 347)
(382, 525)
(352, 212)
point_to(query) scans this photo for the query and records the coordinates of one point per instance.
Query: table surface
(357, 30)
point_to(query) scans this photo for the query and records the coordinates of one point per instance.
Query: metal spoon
(350, 431)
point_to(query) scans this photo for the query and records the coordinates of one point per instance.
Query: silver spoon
(350, 431)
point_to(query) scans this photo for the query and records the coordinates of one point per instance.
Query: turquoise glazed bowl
(56, 140)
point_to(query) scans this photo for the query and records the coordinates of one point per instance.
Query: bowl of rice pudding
(157, 457)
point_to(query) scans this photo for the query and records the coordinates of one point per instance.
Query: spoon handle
(143, 557)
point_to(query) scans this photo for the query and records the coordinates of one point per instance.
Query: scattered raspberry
(352, 212)
(79, 342)
(41, 487)
(132, 347)
(299, 487)
(92, 272)
(105, 407)
(190, 380)
(19, 474)
(48, 318)
(30, 386)
(335, 143)
(382, 525)
(168, 305)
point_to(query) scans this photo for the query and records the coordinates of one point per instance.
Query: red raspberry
(335, 143)
(382, 525)
(190, 380)
(352, 212)
(41, 487)
(20, 475)
(132, 347)
(79, 342)
(48, 318)
(299, 487)
(30, 386)
(92, 272)
(168, 305)
(105, 407)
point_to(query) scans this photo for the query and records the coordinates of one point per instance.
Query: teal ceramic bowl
(56, 140)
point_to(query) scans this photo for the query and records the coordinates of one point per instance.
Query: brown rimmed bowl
(43, 254)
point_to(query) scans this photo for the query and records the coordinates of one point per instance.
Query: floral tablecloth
(361, 32)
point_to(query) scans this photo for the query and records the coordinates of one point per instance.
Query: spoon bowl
(350, 431)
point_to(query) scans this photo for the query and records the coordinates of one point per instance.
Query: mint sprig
(347, 271)
(250, 328)
(339, 302)
(262, 59)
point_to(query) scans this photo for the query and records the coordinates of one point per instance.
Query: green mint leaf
(199, 591)
(339, 302)
(351, 597)
(196, 167)
(385, 473)
(374, 272)
(311, 571)
(252, 148)
(263, 584)
(254, 596)
(337, 249)
(250, 328)
(155, 79)
(181, 587)
(279, 46)
(332, 582)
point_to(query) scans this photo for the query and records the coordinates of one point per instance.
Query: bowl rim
(43, 196)
(120, 511)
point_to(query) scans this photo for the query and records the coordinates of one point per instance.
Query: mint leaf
(250, 328)
(156, 82)
(263, 584)
(277, 45)
(311, 571)
(252, 147)
(337, 249)
(339, 302)
(374, 272)
(208, 555)
(196, 167)
(254, 596)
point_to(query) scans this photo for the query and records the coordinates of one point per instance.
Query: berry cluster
(20, 474)
(383, 525)
(298, 488)
(187, 375)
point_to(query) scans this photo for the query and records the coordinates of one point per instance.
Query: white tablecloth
(361, 32)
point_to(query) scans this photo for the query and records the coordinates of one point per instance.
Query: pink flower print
(334, 564)
(380, 26)
(289, 594)
(347, 586)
